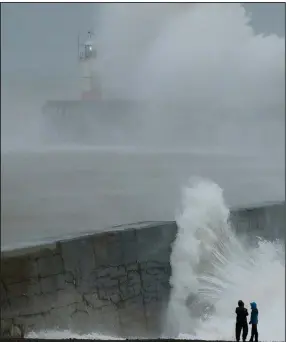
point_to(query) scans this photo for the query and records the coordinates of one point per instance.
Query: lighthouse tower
(89, 79)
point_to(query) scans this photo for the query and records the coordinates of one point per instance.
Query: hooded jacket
(241, 313)
(254, 313)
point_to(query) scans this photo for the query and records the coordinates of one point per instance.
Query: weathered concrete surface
(267, 221)
(115, 282)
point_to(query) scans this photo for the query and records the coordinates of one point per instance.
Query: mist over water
(210, 102)
(184, 52)
(201, 74)
(207, 78)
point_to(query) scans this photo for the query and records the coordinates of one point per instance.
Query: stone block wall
(113, 282)
(268, 222)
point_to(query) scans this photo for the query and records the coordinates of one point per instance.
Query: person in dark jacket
(241, 321)
(254, 321)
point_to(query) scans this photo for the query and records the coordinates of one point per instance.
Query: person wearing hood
(241, 321)
(254, 321)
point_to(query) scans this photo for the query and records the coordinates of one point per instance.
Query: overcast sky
(40, 40)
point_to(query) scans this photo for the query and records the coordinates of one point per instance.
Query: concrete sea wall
(115, 282)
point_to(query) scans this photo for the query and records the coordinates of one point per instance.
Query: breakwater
(114, 282)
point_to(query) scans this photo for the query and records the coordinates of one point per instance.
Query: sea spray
(207, 78)
(212, 268)
(203, 214)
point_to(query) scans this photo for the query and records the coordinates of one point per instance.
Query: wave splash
(213, 267)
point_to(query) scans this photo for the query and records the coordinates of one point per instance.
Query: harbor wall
(112, 282)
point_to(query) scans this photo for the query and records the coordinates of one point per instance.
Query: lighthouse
(89, 76)
(82, 120)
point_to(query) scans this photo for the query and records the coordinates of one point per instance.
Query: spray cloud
(213, 267)
(206, 76)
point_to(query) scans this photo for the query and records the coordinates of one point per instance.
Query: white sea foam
(64, 334)
(212, 265)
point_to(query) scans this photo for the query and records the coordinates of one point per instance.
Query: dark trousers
(254, 333)
(238, 328)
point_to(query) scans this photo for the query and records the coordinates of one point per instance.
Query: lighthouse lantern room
(90, 89)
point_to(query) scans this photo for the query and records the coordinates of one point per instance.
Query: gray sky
(40, 40)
